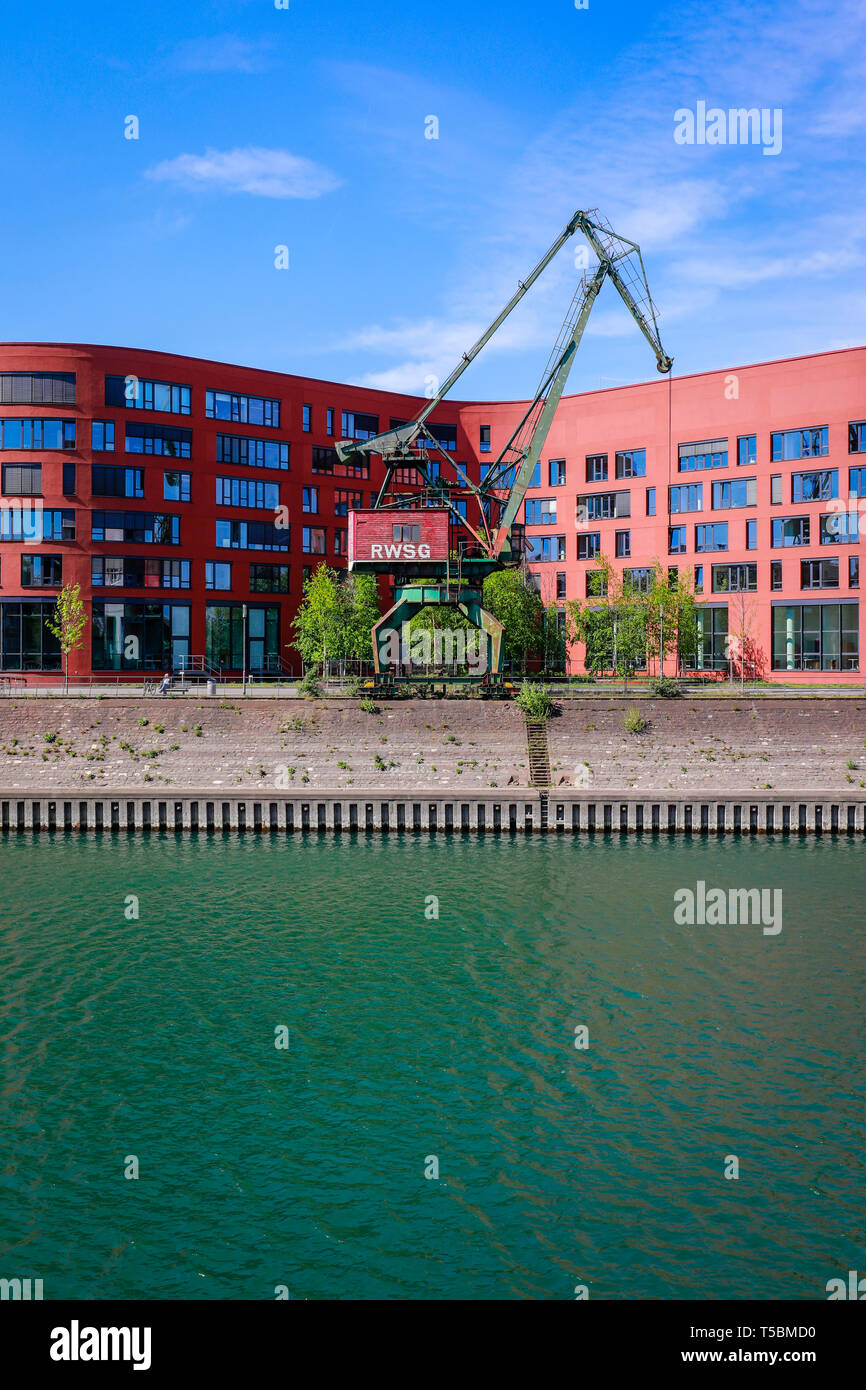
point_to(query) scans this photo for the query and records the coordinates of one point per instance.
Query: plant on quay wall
(67, 624)
(534, 700)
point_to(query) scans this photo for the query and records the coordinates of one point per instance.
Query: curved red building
(176, 490)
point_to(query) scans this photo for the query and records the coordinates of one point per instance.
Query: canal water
(148, 980)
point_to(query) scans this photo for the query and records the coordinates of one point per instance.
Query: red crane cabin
(387, 539)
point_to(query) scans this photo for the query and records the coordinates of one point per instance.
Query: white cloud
(223, 53)
(265, 173)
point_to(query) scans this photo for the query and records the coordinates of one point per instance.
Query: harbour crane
(393, 537)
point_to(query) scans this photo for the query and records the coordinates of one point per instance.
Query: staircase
(539, 754)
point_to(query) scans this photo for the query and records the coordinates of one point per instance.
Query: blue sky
(305, 127)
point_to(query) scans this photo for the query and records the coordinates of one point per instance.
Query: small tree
(612, 624)
(67, 624)
(336, 616)
(518, 607)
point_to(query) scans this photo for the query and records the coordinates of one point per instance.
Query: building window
(37, 434)
(588, 545)
(22, 479)
(251, 535)
(329, 420)
(254, 453)
(306, 418)
(34, 524)
(540, 549)
(269, 579)
(326, 460)
(69, 480)
(677, 543)
(799, 444)
(540, 511)
(25, 642)
(596, 468)
(707, 453)
(714, 537)
(311, 499)
(444, 435)
(747, 451)
(247, 492)
(108, 481)
(792, 530)
(165, 440)
(244, 410)
(484, 439)
(857, 437)
(41, 571)
(102, 436)
(224, 637)
(596, 584)
(751, 535)
(840, 528)
(341, 540)
(557, 472)
(136, 572)
(176, 487)
(161, 632)
(357, 425)
(37, 388)
(345, 501)
(775, 574)
(776, 490)
(217, 574)
(314, 540)
(699, 579)
(560, 584)
(712, 653)
(623, 544)
(853, 572)
(735, 579)
(603, 506)
(136, 528)
(819, 574)
(857, 482)
(139, 393)
(639, 581)
(738, 492)
(631, 463)
(650, 501)
(673, 576)
(815, 637)
(686, 497)
(815, 487)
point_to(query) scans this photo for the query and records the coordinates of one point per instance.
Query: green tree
(67, 624)
(319, 621)
(336, 616)
(508, 596)
(611, 624)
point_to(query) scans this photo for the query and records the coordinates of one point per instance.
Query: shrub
(353, 685)
(368, 705)
(310, 687)
(665, 687)
(634, 720)
(534, 700)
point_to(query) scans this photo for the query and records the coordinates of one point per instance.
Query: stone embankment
(445, 748)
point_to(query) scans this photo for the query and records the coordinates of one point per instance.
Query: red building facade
(176, 490)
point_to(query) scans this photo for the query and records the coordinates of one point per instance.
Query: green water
(411, 1038)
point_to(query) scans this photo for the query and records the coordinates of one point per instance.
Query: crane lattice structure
(497, 538)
